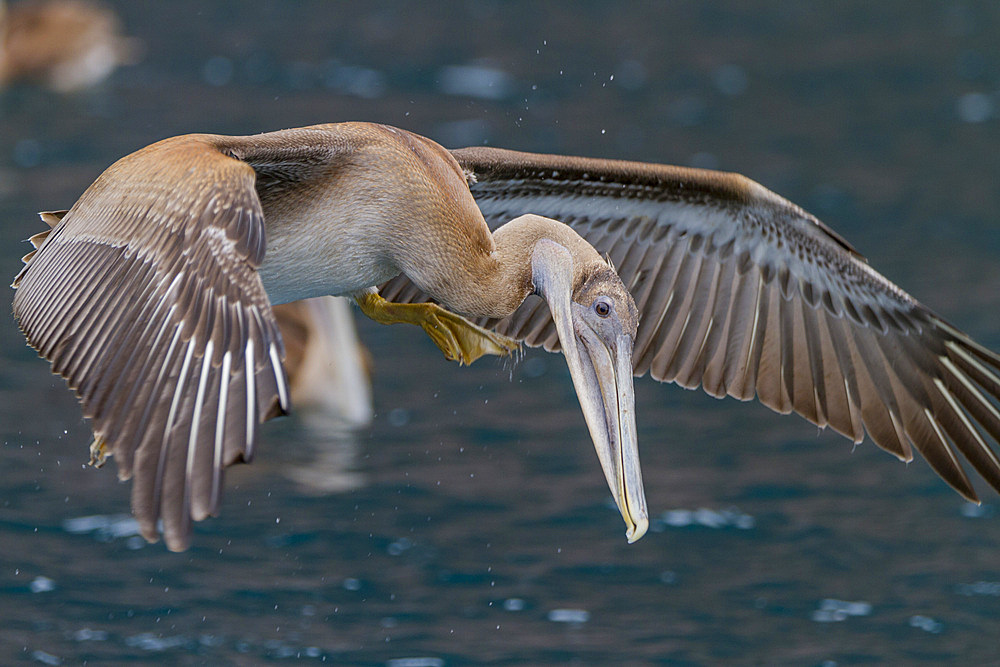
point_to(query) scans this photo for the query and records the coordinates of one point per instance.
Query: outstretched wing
(146, 298)
(745, 294)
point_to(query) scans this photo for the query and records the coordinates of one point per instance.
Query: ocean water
(471, 524)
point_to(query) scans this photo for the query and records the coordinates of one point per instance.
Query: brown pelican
(66, 44)
(326, 364)
(152, 295)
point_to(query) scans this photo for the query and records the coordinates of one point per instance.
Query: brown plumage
(152, 297)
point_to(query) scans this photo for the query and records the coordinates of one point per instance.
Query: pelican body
(152, 296)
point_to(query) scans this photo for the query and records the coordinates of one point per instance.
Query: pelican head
(596, 320)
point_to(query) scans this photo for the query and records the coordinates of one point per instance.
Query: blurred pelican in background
(67, 45)
(329, 379)
(327, 366)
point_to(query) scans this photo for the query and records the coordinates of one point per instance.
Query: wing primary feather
(159, 481)
(124, 449)
(537, 322)
(878, 400)
(967, 438)
(627, 257)
(942, 458)
(220, 432)
(55, 321)
(123, 403)
(983, 375)
(155, 398)
(972, 398)
(279, 377)
(752, 361)
(251, 400)
(789, 344)
(961, 341)
(192, 445)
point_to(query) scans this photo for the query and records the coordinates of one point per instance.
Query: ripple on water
(703, 517)
(42, 584)
(45, 658)
(89, 635)
(832, 610)
(150, 641)
(104, 527)
(513, 604)
(926, 623)
(990, 588)
(577, 616)
(272, 648)
(415, 662)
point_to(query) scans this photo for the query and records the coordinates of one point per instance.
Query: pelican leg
(458, 338)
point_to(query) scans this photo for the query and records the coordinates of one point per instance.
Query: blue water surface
(471, 524)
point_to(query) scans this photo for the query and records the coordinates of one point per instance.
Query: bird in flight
(153, 297)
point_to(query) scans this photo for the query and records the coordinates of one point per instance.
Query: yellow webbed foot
(98, 452)
(458, 338)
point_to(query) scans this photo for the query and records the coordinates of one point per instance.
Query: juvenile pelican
(67, 44)
(152, 297)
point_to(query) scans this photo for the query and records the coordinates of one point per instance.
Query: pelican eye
(602, 308)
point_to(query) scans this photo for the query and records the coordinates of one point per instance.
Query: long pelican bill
(602, 376)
